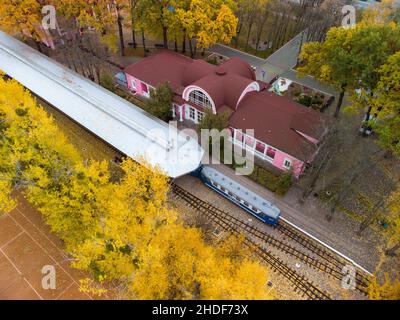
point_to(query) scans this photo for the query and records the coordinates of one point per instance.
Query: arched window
(200, 99)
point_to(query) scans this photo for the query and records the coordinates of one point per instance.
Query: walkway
(231, 52)
(340, 233)
(281, 60)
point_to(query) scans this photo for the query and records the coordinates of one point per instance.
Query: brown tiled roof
(197, 70)
(240, 67)
(164, 66)
(224, 83)
(275, 120)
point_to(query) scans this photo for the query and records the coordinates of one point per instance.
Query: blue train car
(241, 196)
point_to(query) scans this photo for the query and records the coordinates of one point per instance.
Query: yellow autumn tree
(22, 17)
(389, 290)
(179, 265)
(379, 13)
(123, 231)
(209, 22)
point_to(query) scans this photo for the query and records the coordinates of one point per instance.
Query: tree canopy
(350, 58)
(123, 230)
(160, 102)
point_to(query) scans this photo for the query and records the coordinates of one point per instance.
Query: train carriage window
(271, 152)
(260, 147)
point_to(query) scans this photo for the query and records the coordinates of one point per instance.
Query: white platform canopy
(123, 125)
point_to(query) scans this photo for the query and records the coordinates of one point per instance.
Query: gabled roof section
(239, 67)
(164, 66)
(197, 70)
(225, 83)
(275, 120)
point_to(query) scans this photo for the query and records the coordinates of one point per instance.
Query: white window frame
(200, 116)
(190, 113)
(285, 161)
(194, 97)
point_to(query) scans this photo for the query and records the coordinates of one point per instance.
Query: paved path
(231, 52)
(339, 233)
(281, 60)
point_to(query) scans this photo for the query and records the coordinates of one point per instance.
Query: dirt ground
(26, 246)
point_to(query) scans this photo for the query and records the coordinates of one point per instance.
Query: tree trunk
(176, 44)
(134, 38)
(39, 46)
(259, 33)
(392, 251)
(248, 35)
(165, 36)
(314, 180)
(184, 42)
(133, 25)
(368, 115)
(144, 43)
(238, 34)
(195, 49)
(191, 48)
(340, 101)
(121, 33)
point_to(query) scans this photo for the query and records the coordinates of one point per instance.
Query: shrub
(284, 183)
(160, 102)
(107, 82)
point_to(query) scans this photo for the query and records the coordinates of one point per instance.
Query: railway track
(301, 283)
(330, 264)
(289, 231)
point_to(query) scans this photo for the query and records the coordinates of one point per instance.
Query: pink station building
(286, 134)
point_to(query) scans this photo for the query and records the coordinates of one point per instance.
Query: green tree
(350, 58)
(214, 121)
(107, 82)
(385, 103)
(160, 102)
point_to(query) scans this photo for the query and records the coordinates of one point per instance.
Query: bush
(212, 60)
(212, 121)
(107, 82)
(284, 183)
(278, 184)
(160, 102)
(305, 100)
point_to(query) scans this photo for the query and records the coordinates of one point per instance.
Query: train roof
(241, 191)
(123, 125)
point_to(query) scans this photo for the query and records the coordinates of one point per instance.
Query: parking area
(26, 246)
